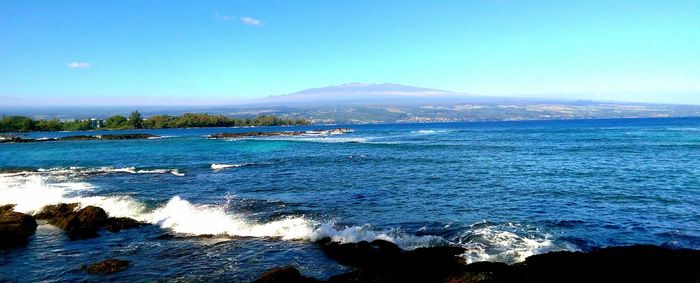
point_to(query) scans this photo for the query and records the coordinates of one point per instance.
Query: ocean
(229, 209)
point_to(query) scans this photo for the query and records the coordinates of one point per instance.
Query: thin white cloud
(251, 21)
(224, 18)
(78, 65)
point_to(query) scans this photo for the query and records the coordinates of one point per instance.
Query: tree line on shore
(136, 121)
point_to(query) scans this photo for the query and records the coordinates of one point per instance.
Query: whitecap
(508, 242)
(216, 166)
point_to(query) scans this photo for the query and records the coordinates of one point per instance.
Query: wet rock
(81, 137)
(285, 274)
(639, 263)
(15, 227)
(111, 137)
(483, 272)
(337, 131)
(84, 223)
(116, 224)
(107, 267)
(53, 211)
(382, 261)
(16, 170)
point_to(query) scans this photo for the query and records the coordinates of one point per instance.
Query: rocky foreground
(16, 228)
(382, 261)
(12, 139)
(338, 131)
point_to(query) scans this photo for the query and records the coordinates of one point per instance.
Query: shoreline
(384, 261)
(345, 125)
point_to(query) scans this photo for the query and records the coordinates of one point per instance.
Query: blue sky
(201, 52)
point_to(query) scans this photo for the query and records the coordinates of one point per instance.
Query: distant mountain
(390, 103)
(395, 103)
(365, 94)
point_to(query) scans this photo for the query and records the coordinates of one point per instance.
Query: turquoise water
(503, 190)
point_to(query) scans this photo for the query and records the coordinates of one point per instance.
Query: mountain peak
(362, 93)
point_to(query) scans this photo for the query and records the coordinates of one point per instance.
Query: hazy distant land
(358, 103)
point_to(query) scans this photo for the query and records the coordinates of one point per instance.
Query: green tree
(116, 122)
(135, 120)
(76, 125)
(49, 125)
(16, 124)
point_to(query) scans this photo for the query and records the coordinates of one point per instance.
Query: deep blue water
(503, 190)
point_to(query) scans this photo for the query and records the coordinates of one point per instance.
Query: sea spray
(31, 191)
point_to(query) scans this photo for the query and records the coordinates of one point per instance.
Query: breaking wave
(504, 242)
(483, 241)
(72, 172)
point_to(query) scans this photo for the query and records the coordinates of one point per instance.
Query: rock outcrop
(284, 274)
(81, 137)
(116, 224)
(15, 227)
(381, 261)
(107, 267)
(84, 223)
(337, 131)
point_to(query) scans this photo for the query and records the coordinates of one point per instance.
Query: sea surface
(502, 190)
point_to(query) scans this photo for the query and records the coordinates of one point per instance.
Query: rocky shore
(337, 131)
(13, 139)
(382, 261)
(16, 228)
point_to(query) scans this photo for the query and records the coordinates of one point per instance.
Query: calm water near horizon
(503, 190)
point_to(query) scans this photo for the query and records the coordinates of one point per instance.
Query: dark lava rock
(639, 263)
(274, 134)
(284, 274)
(15, 227)
(116, 224)
(16, 170)
(22, 140)
(85, 222)
(111, 137)
(56, 210)
(81, 137)
(382, 261)
(107, 267)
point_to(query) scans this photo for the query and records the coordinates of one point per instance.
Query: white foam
(160, 171)
(30, 193)
(508, 243)
(183, 217)
(306, 138)
(322, 139)
(223, 166)
(160, 137)
(71, 172)
(355, 234)
(429, 131)
(483, 242)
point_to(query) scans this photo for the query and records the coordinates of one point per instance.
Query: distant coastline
(135, 121)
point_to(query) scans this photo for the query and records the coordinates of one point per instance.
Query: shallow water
(503, 190)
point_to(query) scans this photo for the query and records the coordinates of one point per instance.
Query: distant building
(97, 123)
